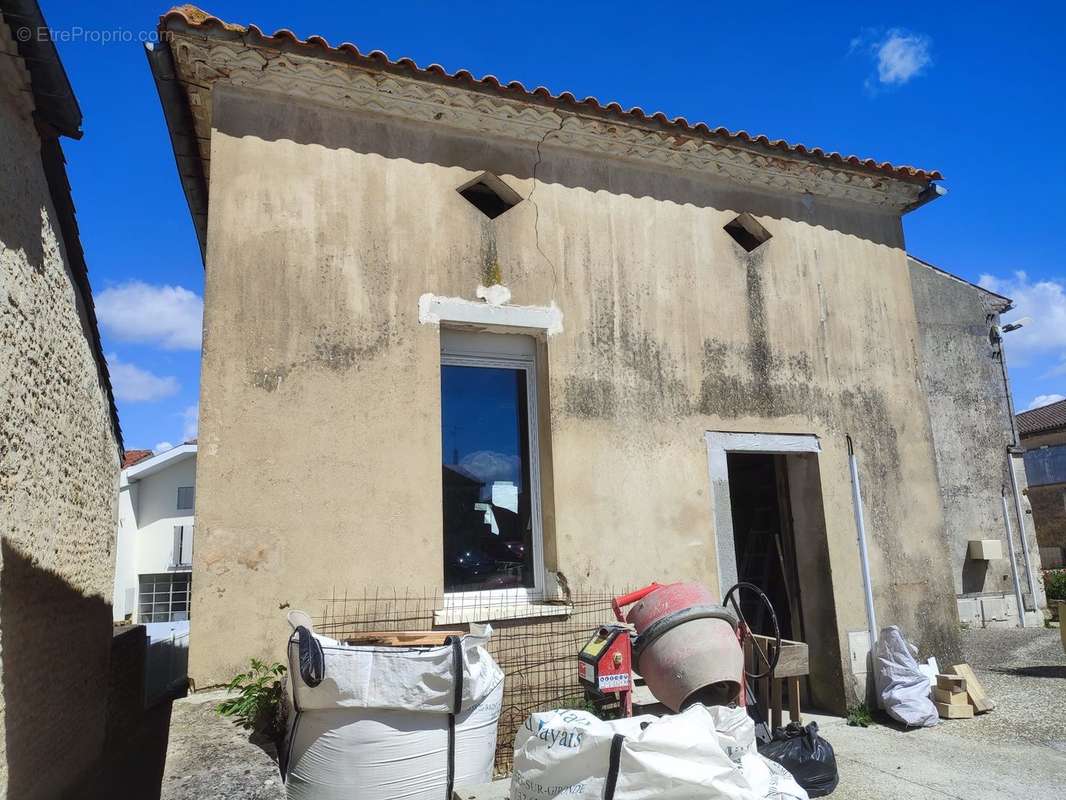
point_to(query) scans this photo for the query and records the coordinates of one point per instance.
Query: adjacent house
(60, 441)
(466, 338)
(979, 467)
(1043, 435)
(153, 565)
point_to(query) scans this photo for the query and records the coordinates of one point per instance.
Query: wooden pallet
(402, 638)
(792, 664)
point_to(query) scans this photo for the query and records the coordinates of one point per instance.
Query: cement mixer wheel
(745, 630)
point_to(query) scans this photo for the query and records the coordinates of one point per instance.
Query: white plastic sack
(902, 689)
(377, 726)
(701, 754)
(402, 678)
(373, 754)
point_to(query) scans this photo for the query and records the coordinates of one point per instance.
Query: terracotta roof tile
(131, 457)
(1045, 418)
(194, 17)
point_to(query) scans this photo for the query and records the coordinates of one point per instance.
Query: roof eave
(182, 137)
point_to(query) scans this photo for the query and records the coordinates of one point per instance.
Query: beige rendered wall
(58, 486)
(319, 463)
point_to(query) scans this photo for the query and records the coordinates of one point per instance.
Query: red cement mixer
(687, 647)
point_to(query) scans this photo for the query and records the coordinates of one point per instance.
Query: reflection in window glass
(488, 528)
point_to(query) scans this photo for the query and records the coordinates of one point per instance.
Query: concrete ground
(1016, 752)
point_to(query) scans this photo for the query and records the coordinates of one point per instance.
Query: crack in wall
(536, 208)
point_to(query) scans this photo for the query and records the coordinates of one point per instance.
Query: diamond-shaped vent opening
(489, 195)
(747, 232)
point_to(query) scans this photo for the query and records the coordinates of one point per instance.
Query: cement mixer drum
(687, 648)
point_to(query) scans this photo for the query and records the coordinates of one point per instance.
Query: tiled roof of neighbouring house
(1045, 418)
(194, 17)
(131, 457)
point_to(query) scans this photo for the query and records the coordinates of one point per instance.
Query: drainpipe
(1013, 559)
(864, 556)
(1015, 444)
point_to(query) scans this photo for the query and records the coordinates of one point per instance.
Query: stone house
(60, 441)
(963, 364)
(1043, 435)
(466, 338)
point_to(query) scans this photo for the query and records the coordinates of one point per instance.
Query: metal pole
(1021, 527)
(864, 556)
(1013, 559)
(1015, 442)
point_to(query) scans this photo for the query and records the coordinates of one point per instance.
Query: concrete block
(951, 698)
(970, 611)
(985, 549)
(952, 711)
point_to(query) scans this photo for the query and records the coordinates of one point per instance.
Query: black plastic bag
(805, 754)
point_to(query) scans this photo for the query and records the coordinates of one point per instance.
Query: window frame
(172, 578)
(460, 353)
(177, 500)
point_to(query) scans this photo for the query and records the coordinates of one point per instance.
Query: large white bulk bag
(379, 724)
(700, 754)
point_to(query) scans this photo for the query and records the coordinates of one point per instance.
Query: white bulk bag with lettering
(377, 723)
(575, 755)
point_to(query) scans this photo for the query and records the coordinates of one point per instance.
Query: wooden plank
(954, 711)
(775, 701)
(764, 684)
(951, 683)
(950, 697)
(794, 700)
(794, 659)
(974, 689)
(402, 638)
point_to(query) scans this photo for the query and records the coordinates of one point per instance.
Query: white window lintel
(434, 309)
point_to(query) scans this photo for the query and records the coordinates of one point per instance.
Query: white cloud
(898, 55)
(162, 447)
(135, 385)
(1044, 334)
(1045, 399)
(901, 56)
(190, 416)
(170, 316)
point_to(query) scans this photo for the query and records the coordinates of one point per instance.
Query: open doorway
(763, 539)
(770, 531)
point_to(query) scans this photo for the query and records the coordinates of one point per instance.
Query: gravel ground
(1017, 751)
(210, 758)
(1023, 671)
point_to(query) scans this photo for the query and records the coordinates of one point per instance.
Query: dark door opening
(764, 540)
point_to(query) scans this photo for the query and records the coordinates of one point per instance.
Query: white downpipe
(1013, 559)
(1021, 529)
(864, 556)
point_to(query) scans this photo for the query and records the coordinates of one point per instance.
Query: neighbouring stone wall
(58, 484)
(971, 422)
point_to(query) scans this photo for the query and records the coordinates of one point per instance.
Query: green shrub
(1055, 584)
(258, 697)
(859, 716)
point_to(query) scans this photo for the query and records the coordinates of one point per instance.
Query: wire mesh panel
(537, 654)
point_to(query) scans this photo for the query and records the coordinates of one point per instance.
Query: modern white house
(153, 562)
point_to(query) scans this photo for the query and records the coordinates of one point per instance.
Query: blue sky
(975, 94)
